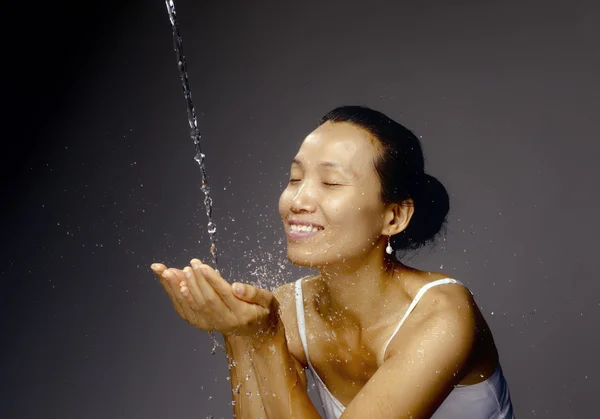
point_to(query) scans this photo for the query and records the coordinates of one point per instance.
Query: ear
(397, 217)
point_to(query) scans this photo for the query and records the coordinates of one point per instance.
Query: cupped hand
(205, 300)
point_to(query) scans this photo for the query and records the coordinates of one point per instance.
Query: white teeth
(303, 228)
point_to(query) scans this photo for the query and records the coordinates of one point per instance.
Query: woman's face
(331, 208)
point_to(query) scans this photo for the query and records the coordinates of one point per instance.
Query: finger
(159, 269)
(205, 288)
(213, 303)
(174, 277)
(219, 285)
(165, 280)
(178, 282)
(250, 294)
(189, 290)
(198, 300)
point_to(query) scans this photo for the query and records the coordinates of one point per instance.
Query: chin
(307, 260)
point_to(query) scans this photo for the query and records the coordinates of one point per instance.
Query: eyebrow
(322, 164)
(331, 164)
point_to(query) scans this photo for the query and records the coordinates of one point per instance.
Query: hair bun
(432, 204)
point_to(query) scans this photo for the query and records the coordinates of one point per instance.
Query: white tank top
(489, 399)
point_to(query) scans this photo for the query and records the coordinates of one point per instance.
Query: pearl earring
(389, 250)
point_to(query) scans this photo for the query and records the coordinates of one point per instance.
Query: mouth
(302, 230)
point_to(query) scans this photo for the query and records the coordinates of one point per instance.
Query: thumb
(252, 294)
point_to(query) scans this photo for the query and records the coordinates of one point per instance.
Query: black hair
(401, 169)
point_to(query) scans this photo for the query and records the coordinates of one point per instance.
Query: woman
(382, 339)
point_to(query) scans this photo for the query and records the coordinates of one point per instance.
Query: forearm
(282, 391)
(246, 400)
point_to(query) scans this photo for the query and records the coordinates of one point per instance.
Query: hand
(205, 300)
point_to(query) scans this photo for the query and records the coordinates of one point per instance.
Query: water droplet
(212, 228)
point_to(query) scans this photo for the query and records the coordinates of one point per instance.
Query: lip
(292, 221)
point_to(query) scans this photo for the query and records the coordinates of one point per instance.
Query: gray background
(99, 181)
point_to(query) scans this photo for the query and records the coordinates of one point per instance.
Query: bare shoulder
(450, 297)
(443, 310)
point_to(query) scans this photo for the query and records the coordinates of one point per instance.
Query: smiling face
(331, 209)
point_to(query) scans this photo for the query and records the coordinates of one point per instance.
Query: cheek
(363, 214)
(334, 207)
(351, 206)
(284, 200)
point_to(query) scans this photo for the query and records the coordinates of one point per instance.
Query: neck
(357, 291)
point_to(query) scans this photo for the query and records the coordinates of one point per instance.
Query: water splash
(261, 267)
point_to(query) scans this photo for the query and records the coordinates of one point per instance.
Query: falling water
(195, 134)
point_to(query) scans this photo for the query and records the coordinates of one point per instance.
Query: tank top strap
(300, 317)
(414, 303)
(330, 403)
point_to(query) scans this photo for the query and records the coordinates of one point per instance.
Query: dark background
(99, 181)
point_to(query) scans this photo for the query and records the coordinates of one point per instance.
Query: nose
(303, 200)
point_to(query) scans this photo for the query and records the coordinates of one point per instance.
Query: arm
(246, 396)
(250, 320)
(266, 380)
(425, 360)
(281, 379)
(274, 371)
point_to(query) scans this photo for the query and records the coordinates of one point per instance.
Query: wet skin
(336, 222)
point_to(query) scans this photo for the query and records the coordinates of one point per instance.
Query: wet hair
(400, 166)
